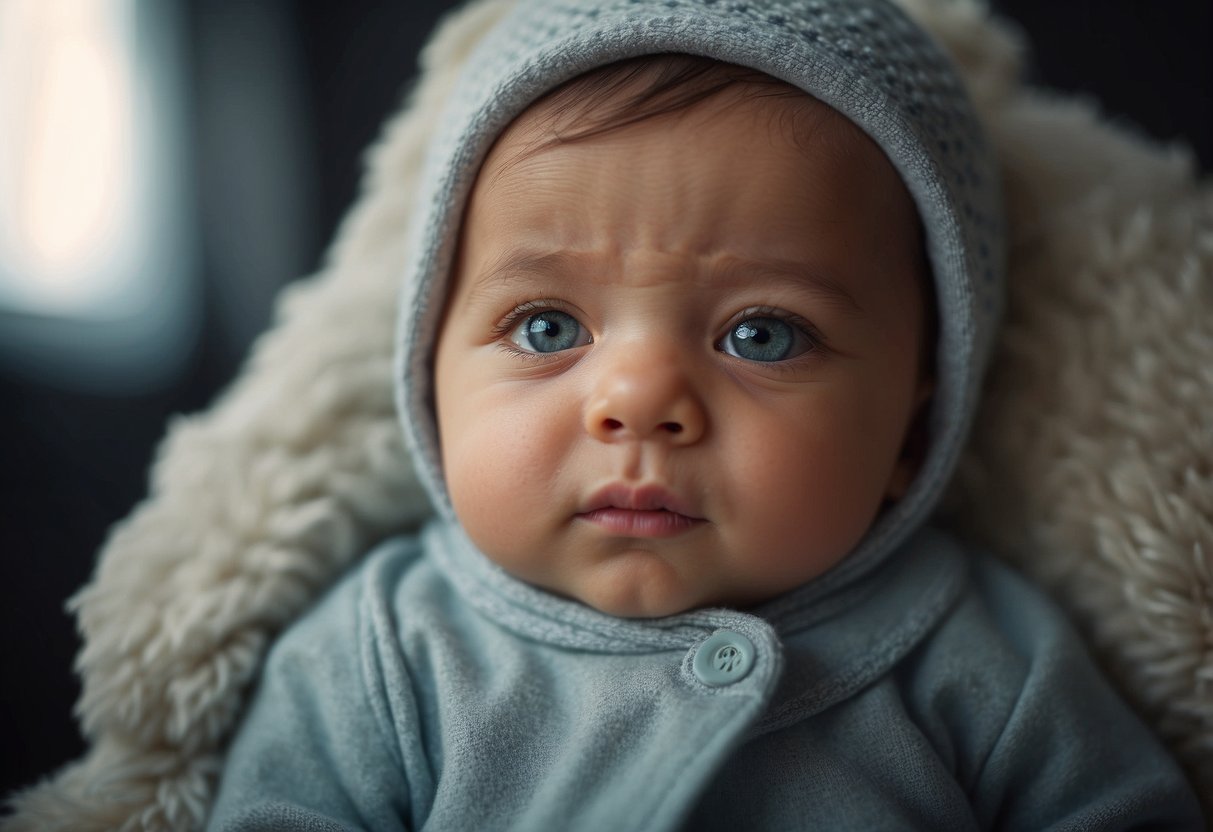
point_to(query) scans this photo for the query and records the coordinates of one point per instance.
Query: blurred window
(96, 262)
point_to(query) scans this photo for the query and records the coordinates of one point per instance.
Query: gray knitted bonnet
(865, 58)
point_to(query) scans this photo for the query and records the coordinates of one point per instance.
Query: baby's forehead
(669, 156)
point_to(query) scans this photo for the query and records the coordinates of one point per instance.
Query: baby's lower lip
(636, 523)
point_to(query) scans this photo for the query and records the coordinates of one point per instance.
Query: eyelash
(524, 310)
(817, 341)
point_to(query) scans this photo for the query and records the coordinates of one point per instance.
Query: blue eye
(764, 339)
(549, 331)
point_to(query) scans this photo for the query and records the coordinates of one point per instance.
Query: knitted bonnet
(864, 58)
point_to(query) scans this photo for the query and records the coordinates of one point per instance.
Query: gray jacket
(430, 690)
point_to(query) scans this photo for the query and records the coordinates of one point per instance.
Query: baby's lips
(640, 522)
(649, 497)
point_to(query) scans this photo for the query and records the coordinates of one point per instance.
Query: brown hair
(635, 90)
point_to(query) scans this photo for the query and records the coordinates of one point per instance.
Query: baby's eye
(764, 338)
(549, 331)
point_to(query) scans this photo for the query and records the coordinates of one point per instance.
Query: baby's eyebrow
(521, 264)
(794, 272)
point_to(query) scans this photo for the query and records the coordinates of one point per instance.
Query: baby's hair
(639, 89)
(635, 90)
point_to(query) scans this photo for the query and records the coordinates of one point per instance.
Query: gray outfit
(431, 691)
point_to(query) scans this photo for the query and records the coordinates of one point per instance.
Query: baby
(701, 297)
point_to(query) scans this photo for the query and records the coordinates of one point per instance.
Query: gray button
(726, 657)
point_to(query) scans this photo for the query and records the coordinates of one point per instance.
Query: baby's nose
(646, 401)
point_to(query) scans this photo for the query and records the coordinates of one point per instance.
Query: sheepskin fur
(1091, 467)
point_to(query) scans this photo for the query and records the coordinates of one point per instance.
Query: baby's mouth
(632, 523)
(645, 511)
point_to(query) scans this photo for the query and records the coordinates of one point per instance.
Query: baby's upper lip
(637, 498)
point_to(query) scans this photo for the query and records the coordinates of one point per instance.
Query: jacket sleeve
(1071, 755)
(316, 751)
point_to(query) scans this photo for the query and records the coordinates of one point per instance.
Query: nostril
(614, 425)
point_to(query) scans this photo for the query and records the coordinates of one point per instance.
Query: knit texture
(866, 59)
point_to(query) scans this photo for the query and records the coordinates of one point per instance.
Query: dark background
(74, 463)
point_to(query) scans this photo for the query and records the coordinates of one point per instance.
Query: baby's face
(679, 360)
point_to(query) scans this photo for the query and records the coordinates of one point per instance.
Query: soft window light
(95, 265)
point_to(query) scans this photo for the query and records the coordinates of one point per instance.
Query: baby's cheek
(816, 499)
(498, 482)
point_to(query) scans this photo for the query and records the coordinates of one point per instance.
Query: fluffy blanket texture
(1091, 468)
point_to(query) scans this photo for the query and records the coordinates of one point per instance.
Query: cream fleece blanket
(1091, 467)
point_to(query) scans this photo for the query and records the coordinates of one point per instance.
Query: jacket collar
(845, 629)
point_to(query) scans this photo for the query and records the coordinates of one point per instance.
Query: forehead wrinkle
(526, 266)
(738, 270)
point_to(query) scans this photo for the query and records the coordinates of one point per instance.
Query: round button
(726, 657)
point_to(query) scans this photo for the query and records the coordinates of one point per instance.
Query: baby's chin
(641, 586)
(620, 606)
(638, 605)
